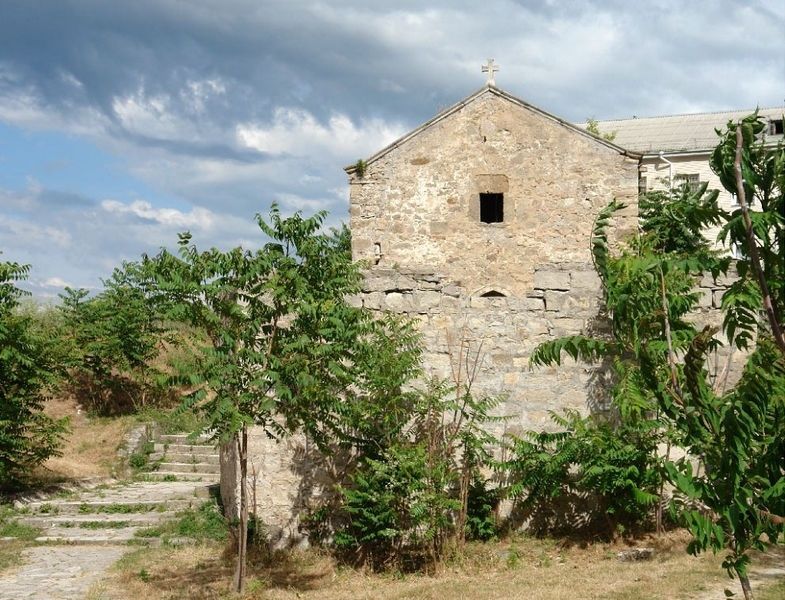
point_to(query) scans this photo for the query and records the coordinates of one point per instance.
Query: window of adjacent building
(691, 181)
(776, 127)
(491, 208)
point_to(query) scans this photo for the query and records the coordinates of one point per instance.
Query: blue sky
(125, 122)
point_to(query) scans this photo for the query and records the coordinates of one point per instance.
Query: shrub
(614, 467)
(27, 436)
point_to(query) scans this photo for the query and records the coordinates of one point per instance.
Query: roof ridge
(693, 114)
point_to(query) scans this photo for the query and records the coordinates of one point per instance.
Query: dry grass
(11, 554)
(90, 449)
(523, 568)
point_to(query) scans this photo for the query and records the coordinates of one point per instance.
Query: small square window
(776, 127)
(492, 208)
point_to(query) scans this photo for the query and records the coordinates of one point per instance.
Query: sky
(124, 122)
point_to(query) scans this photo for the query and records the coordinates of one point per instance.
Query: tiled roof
(676, 132)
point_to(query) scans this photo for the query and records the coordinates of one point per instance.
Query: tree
(114, 337)
(286, 344)
(593, 127)
(736, 497)
(27, 436)
(740, 436)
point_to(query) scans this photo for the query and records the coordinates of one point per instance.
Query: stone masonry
(500, 288)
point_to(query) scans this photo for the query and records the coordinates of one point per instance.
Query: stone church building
(477, 224)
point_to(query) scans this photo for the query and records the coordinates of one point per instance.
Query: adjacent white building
(676, 149)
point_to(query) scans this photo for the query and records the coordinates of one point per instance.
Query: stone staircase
(178, 458)
(116, 514)
(182, 477)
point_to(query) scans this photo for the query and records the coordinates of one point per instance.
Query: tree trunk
(242, 537)
(745, 586)
(463, 512)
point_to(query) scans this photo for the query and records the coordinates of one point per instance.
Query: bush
(611, 469)
(27, 436)
(398, 509)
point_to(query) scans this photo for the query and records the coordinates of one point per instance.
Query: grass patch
(102, 524)
(543, 570)
(116, 509)
(171, 421)
(11, 554)
(771, 592)
(205, 523)
(18, 530)
(11, 528)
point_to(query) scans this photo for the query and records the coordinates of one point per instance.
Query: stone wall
(417, 206)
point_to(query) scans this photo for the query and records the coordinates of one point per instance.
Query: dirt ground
(90, 449)
(529, 568)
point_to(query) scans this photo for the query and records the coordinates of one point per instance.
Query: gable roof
(489, 89)
(678, 133)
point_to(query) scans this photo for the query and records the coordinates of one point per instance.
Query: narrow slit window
(492, 294)
(492, 208)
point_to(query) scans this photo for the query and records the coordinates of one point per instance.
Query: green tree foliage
(613, 465)
(285, 344)
(740, 436)
(114, 339)
(422, 484)
(593, 127)
(27, 436)
(736, 495)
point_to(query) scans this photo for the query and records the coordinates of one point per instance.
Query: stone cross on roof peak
(490, 67)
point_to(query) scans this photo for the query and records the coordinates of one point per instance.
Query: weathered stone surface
(585, 280)
(552, 280)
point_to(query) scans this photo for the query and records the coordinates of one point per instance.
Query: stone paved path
(58, 572)
(92, 528)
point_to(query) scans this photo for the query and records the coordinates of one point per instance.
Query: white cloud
(56, 282)
(171, 217)
(296, 131)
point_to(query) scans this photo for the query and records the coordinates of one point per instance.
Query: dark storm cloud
(397, 61)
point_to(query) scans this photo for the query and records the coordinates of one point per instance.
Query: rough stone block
(451, 290)
(706, 298)
(585, 280)
(372, 300)
(552, 280)
(397, 302)
(566, 327)
(535, 304)
(555, 301)
(354, 300)
(427, 299)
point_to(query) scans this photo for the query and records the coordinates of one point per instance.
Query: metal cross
(491, 69)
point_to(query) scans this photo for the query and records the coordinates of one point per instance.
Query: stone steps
(90, 521)
(189, 467)
(185, 439)
(93, 507)
(182, 457)
(118, 514)
(76, 535)
(210, 478)
(198, 449)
